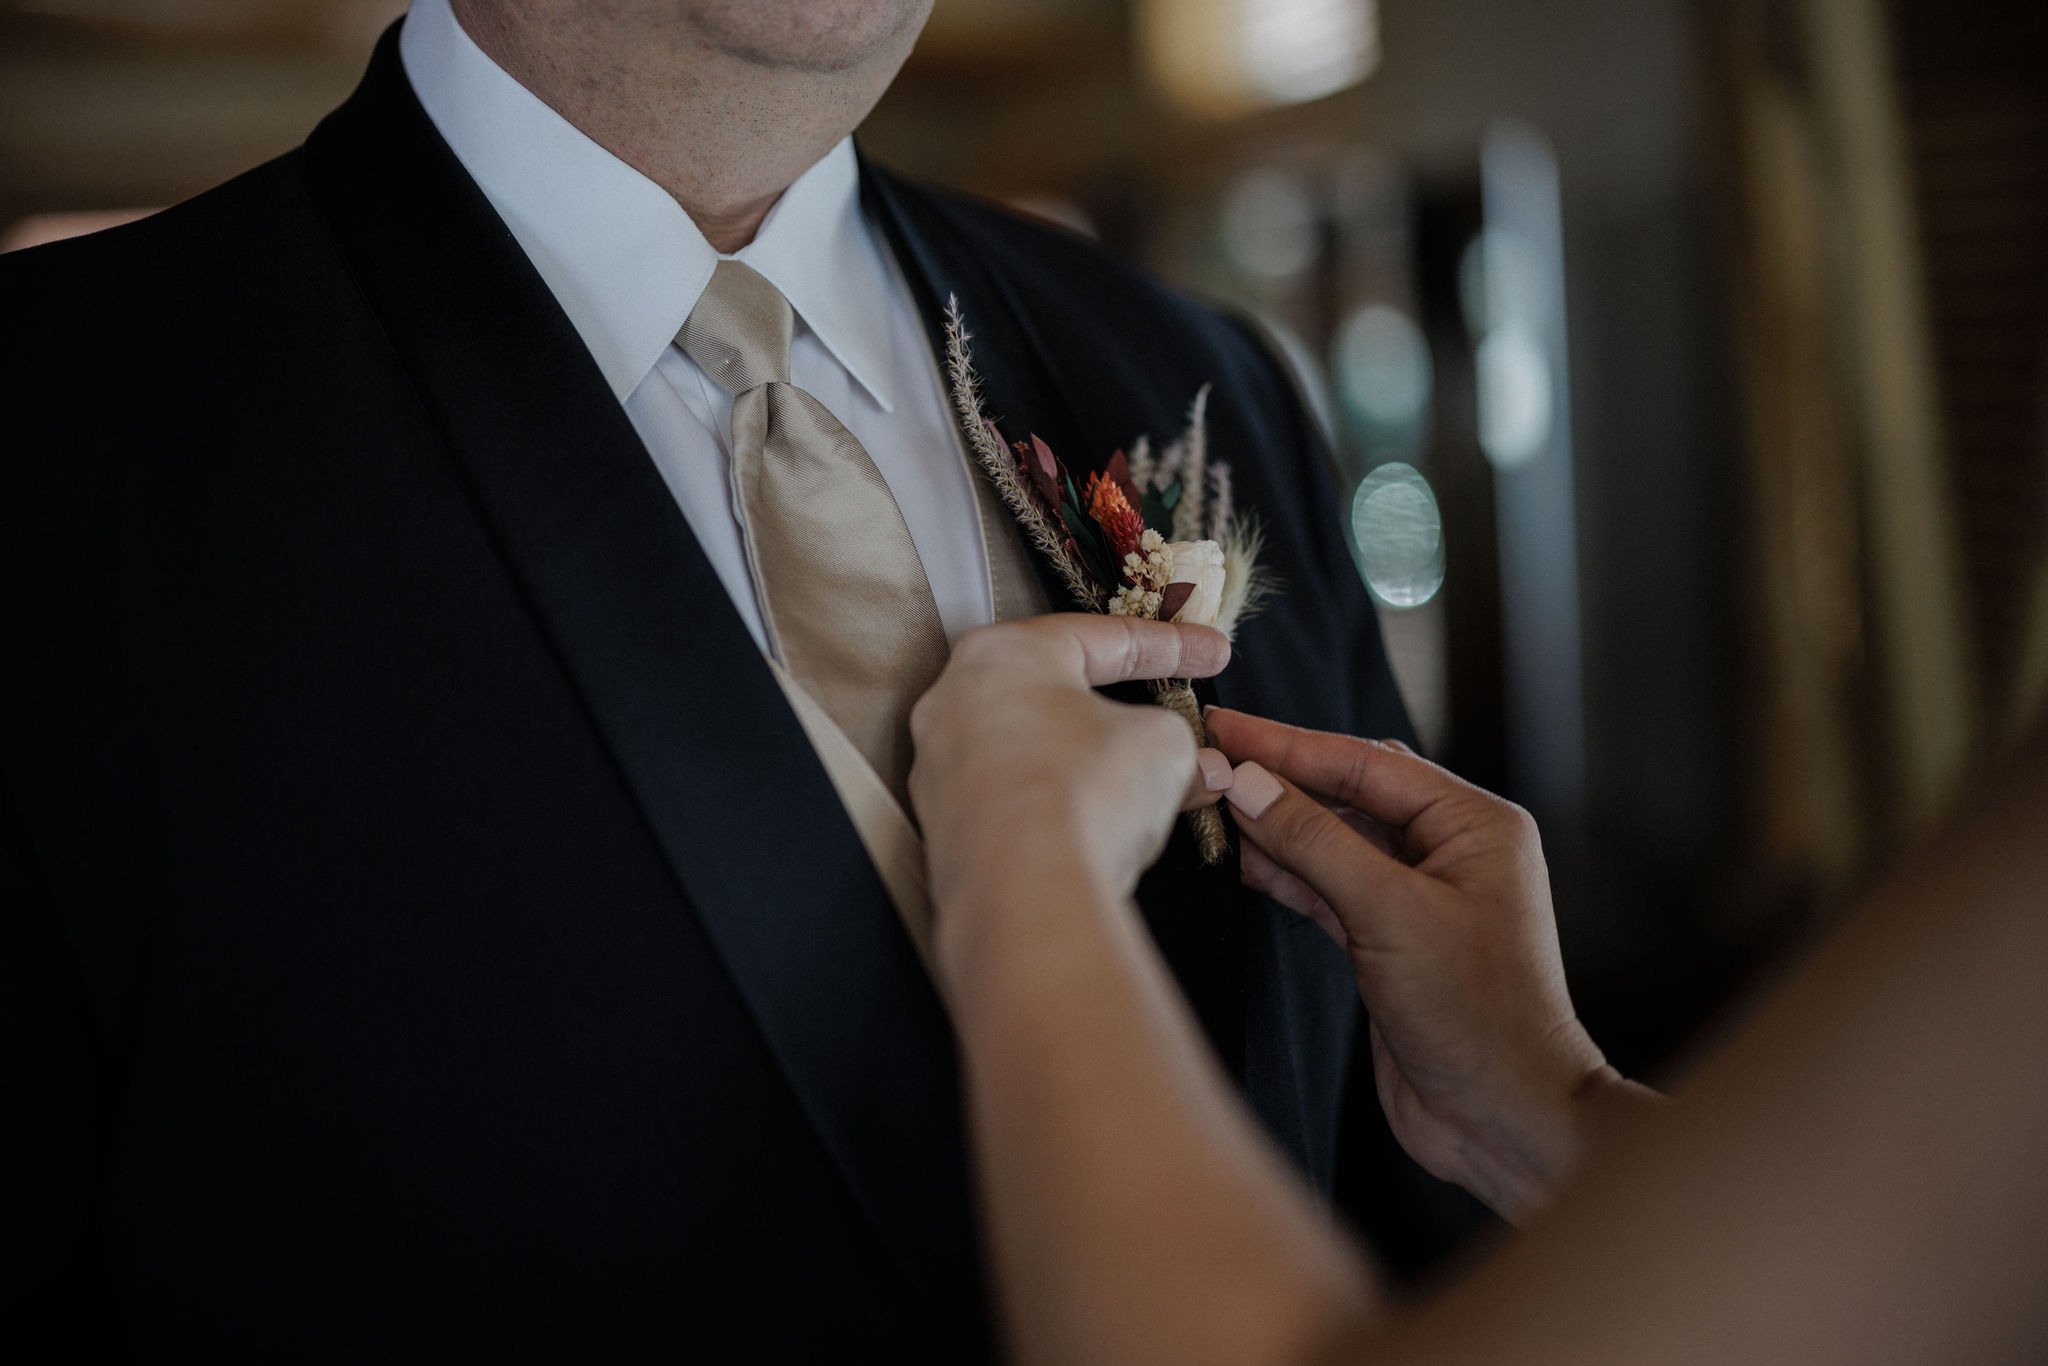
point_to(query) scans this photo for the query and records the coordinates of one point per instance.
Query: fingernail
(1215, 769)
(1207, 708)
(1252, 789)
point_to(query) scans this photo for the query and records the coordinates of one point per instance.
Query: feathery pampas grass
(1247, 584)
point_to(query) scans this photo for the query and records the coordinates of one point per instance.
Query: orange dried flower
(1113, 512)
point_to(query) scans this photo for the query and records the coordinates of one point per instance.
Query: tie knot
(739, 331)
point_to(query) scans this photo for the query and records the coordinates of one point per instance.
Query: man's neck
(722, 134)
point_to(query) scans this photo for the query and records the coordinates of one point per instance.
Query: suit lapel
(1019, 390)
(1195, 912)
(731, 788)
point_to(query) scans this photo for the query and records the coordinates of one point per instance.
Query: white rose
(1199, 563)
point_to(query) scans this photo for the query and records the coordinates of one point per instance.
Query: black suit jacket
(464, 949)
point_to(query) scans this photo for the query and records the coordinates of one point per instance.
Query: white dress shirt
(627, 264)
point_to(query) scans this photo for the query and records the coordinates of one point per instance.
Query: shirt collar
(618, 253)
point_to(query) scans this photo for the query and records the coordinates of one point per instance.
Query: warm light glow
(1270, 225)
(353, 22)
(40, 229)
(1056, 209)
(1220, 58)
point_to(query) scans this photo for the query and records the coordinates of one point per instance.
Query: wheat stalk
(1194, 473)
(1141, 462)
(1000, 466)
(1222, 498)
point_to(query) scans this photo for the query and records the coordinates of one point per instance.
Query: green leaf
(1088, 541)
(1154, 511)
(1157, 507)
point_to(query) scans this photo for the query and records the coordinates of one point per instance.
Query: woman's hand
(1437, 890)
(1025, 775)
(1134, 1210)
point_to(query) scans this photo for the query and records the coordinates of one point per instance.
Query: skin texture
(1854, 1178)
(1116, 761)
(1438, 892)
(1042, 802)
(723, 103)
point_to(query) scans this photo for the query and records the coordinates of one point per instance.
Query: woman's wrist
(1012, 906)
(1517, 1158)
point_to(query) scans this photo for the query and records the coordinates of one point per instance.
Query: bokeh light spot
(1383, 365)
(1270, 224)
(1514, 397)
(1400, 535)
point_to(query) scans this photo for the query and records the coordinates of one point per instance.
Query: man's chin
(808, 35)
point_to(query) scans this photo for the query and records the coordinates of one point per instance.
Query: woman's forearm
(1856, 1177)
(1133, 1210)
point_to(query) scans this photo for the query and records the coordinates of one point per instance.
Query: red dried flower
(1113, 512)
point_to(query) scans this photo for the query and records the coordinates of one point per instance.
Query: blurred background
(1684, 365)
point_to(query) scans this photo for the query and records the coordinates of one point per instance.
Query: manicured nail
(1215, 769)
(1253, 789)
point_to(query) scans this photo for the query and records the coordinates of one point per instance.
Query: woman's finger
(1212, 779)
(1122, 649)
(1312, 842)
(1384, 839)
(1261, 874)
(1389, 784)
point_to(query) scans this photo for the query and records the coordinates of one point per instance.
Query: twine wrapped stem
(1177, 695)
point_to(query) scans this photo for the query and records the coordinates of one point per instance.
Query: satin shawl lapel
(1195, 912)
(1019, 390)
(732, 790)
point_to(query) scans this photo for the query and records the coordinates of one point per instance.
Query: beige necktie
(843, 595)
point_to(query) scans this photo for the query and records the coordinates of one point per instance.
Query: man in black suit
(435, 931)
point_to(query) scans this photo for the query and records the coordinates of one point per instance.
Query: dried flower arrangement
(1152, 536)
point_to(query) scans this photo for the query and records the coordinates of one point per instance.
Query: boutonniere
(1150, 535)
